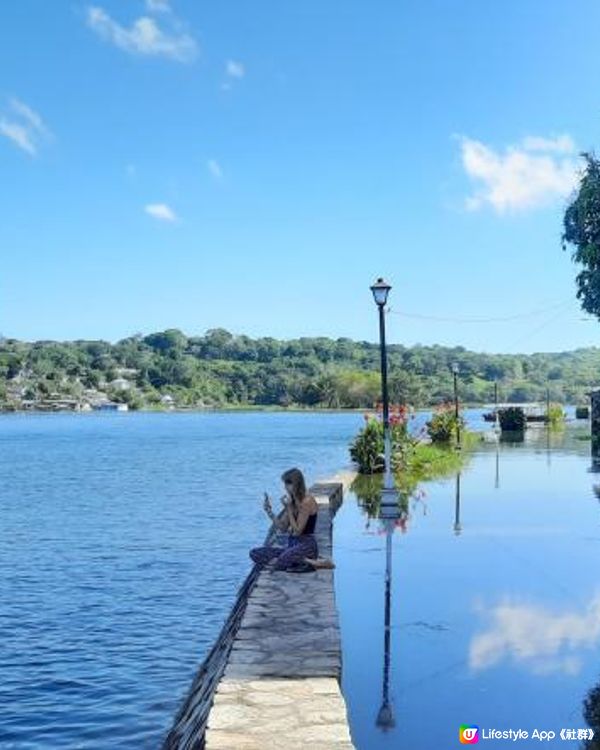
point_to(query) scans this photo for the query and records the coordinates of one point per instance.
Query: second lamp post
(456, 414)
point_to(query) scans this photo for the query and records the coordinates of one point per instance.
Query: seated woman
(299, 518)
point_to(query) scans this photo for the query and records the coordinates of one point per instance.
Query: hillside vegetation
(169, 368)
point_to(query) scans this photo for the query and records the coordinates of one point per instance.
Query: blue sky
(256, 166)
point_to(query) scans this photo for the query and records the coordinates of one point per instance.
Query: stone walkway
(280, 688)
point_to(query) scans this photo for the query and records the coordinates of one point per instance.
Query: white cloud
(158, 6)
(536, 638)
(161, 211)
(145, 37)
(235, 69)
(529, 175)
(23, 126)
(215, 169)
(562, 144)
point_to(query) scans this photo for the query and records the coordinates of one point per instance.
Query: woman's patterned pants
(299, 547)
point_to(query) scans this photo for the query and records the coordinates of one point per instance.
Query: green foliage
(433, 461)
(443, 425)
(220, 368)
(582, 231)
(512, 419)
(556, 415)
(366, 450)
(426, 462)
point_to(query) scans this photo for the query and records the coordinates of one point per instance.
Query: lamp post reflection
(385, 718)
(497, 478)
(457, 527)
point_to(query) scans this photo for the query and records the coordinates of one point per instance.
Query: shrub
(442, 427)
(512, 419)
(367, 448)
(556, 414)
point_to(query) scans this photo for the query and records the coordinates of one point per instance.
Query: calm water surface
(495, 600)
(124, 540)
(125, 537)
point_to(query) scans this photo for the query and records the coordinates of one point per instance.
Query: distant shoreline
(248, 408)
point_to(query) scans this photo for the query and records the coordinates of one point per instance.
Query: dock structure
(272, 679)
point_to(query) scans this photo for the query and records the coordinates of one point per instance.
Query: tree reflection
(591, 714)
(367, 488)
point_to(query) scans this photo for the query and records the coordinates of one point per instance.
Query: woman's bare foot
(320, 562)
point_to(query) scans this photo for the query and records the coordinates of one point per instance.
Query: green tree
(171, 339)
(582, 231)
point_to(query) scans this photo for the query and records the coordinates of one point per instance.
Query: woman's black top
(310, 524)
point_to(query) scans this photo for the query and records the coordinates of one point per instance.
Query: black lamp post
(455, 375)
(389, 497)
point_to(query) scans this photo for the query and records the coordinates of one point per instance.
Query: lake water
(124, 540)
(495, 601)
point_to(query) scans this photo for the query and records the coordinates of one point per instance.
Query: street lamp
(389, 498)
(455, 369)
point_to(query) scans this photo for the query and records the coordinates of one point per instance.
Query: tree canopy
(582, 232)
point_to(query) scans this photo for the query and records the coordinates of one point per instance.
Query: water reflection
(385, 717)
(497, 476)
(528, 554)
(457, 527)
(536, 638)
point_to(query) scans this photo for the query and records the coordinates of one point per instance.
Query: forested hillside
(219, 369)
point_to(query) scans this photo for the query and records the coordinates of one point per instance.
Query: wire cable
(500, 319)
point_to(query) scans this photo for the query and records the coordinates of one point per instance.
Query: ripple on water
(125, 539)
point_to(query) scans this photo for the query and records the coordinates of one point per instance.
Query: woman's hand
(267, 506)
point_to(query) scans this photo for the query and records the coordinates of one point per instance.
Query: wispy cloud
(145, 36)
(158, 6)
(528, 175)
(235, 69)
(161, 211)
(23, 126)
(215, 169)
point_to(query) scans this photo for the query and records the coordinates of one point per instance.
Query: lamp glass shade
(380, 291)
(455, 368)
